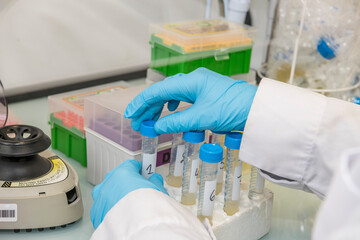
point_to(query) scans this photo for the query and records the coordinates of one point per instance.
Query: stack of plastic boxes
(66, 117)
(110, 138)
(218, 45)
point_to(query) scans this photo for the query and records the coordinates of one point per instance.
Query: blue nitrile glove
(219, 103)
(117, 183)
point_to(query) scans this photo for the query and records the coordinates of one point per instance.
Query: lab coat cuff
(280, 131)
(338, 217)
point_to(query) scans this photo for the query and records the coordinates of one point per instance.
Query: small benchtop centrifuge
(37, 189)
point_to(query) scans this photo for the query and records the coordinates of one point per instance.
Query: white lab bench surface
(293, 211)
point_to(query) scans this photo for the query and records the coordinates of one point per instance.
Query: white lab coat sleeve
(339, 215)
(298, 135)
(150, 214)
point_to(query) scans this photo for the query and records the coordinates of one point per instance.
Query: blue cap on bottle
(147, 128)
(326, 48)
(194, 136)
(211, 153)
(233, 140)
(356, 100)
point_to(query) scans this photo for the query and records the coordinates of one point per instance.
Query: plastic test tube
(193, 141)
(257, 182)
(210, 154)
(176, 161)
(219, 138)
(233, 173)
(148, 148)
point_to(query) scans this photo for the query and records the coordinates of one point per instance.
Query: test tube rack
(252, 221)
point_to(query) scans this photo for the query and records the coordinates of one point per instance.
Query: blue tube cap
(233, 140)
(211, 153)
(327, 47)
(147, 128)
(194, 136)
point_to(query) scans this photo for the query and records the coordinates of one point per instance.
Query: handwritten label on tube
(179, 162)
(220, 173)
(235, 194)
(194, 175)
(208, 198)
(148, 164)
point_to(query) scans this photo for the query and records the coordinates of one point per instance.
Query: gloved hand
(219, 103)
(117, 183)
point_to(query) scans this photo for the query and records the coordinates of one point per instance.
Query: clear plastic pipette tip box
(105, 115)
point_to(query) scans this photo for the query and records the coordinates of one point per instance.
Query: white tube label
(208, 198)
(194, 175)
(148, 164)
(235, 194)
(220, 173)
(260, 181)
(8, 212)
(179, 162)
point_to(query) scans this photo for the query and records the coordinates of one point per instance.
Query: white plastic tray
(103, 155)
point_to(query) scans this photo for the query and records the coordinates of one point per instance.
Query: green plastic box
(68, 141)
(216, 44)
(167, 60)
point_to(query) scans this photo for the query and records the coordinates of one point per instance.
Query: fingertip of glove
(127, 115)
(136, 106)
(135, 125)
(158, 180)
(160, 127)
(128, 111)
(134, 163)
(158, 177)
